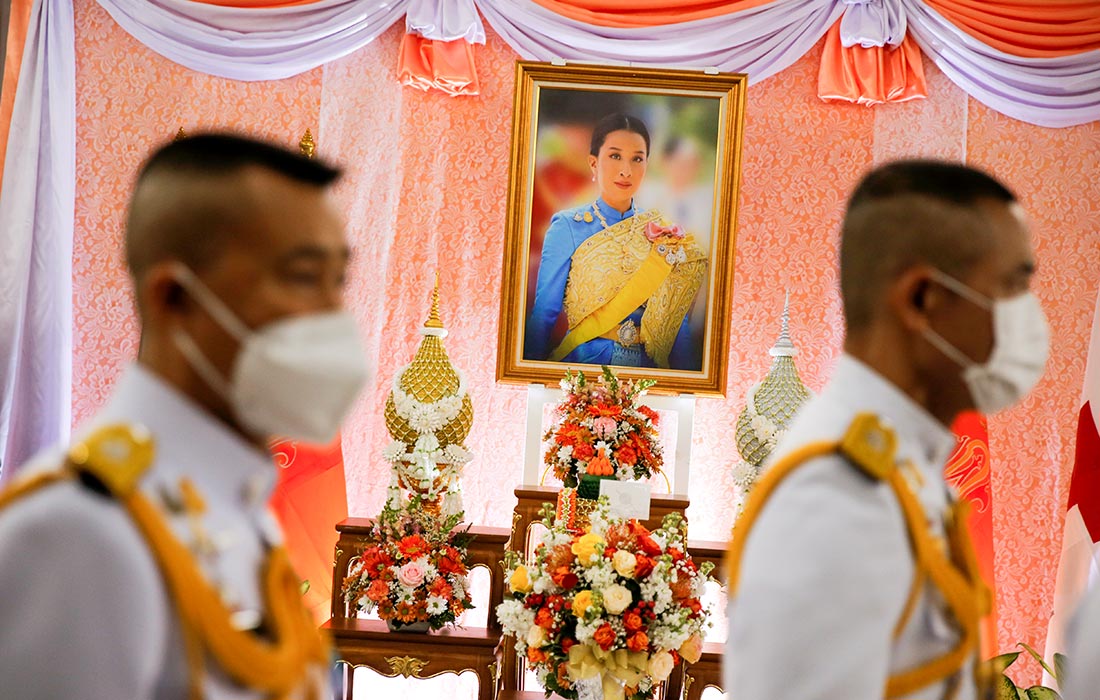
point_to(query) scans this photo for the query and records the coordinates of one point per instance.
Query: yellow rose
(624, 563)
(582, 602)
(692, 649)
(520, 582)
(660, 666)
(616, 598)
(536, 636)
(586, 548)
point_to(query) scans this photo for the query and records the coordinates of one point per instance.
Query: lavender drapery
(37, 203)
(255, 44)
(760, 41)
(1054, 92)
(264, 44)
(445, 20)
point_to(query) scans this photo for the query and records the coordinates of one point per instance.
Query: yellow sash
(617, 270)
(870, 447)
(115, 457)
(642, 284)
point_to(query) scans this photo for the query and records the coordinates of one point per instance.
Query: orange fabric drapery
(872, 75)
(444, 65)
(645, 13)
(1030, 28)
(18, 23)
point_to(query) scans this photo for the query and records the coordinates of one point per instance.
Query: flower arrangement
(614, 609)
(412, 569)
(600, 429)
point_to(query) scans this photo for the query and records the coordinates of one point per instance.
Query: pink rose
(604, 427)
(411, 575)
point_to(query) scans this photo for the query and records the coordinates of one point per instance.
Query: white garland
(764, 428)
(434, 470)
(427, 416)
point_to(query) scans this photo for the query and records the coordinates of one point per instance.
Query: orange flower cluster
(554, 606)
(601, 429)
(412, 569)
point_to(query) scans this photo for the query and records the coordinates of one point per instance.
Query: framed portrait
(622, 208)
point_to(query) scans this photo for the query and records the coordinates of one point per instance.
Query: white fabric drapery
(37, 202)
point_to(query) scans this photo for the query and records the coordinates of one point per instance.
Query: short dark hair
(190, 218)
(221, 153)
(954, 183)
(617, 122)
(907, 213)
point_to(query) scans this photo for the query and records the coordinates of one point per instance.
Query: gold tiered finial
(181, 134)
(306, 145)
(434, 320)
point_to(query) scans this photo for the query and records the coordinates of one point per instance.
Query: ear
(592, 163)
(161, 295)
(911, 296)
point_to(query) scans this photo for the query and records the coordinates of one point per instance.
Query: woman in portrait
(625, 278)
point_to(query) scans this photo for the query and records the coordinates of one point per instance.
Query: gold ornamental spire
(772, 403)
(306, 145)
(181, 134)
(433, 316)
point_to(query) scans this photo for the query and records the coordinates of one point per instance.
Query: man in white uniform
(146, 563)
(848, 578)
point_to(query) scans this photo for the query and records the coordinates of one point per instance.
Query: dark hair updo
(617, 122)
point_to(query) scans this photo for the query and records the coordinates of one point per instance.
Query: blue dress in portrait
(567, 231)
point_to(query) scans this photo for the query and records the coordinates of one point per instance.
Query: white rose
(536, 636)
(616, 598)
(660, 666)
(624, 563)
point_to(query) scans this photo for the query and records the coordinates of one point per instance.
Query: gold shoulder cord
(870, 447)
(117, 457)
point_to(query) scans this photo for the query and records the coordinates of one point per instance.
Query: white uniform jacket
(827, 568)
(83, 609)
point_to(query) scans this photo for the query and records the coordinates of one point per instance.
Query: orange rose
(544, 618)
(637, 641)
(605, 637)
(633, 622)
(536, 656)
(378, 590)
(626, 455)
(643, 567)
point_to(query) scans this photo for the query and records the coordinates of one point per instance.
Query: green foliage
(1007, 688)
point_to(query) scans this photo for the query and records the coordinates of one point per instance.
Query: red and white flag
(1080, 564)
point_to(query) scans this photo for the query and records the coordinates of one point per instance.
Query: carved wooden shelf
(369, 643)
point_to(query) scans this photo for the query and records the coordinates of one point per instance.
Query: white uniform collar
(862, 389)
(190, 442)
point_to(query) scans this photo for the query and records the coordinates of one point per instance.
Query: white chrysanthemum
(459, 586)
(436, 605)
(427, 443)
(457, 454)
(744, 474)
(394, 451)
(564, 453)
(624, 472)
(762, 427)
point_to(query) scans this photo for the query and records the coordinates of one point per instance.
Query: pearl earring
(593, 178)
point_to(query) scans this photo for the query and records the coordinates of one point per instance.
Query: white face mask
(1021, 344)
(296, 378)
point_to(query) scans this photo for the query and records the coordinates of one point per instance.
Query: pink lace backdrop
(425, 191)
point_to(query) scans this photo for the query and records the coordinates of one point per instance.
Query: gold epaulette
(870, 445)
(116, 456)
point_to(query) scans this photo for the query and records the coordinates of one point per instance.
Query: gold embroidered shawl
(617, 270)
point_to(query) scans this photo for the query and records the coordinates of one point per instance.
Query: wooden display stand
(361, 642)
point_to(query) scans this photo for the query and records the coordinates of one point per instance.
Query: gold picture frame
(563, 279)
